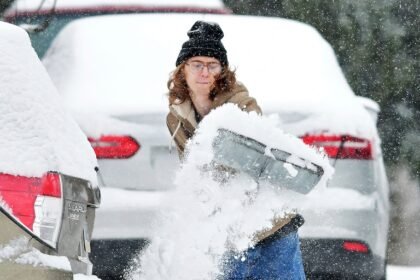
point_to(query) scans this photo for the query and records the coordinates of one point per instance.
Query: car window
(42, 40)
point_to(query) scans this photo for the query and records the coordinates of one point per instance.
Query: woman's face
(200, 74)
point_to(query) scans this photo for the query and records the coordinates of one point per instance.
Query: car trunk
(79, 202)
(152, 167)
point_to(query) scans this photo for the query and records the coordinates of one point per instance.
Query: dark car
(44, 19)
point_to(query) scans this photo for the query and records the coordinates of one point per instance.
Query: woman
(201, 82)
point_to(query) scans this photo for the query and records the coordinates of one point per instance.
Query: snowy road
(393, 273)
(403, 272)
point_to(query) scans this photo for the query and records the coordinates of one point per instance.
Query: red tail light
(341, 147)
(354, 246)
(113, 146)
(35, 202)
(51, 185)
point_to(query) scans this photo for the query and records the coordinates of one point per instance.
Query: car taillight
(354, 246)
(35, 202)
(341, 147)
(113, 146)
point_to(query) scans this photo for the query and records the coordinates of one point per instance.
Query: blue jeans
(276, 259)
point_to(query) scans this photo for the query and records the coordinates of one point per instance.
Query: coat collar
(224, 97)
(185, 110)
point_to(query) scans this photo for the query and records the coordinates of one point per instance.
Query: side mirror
(263, 164)
(32, 28)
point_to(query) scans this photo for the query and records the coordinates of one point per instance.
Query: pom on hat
(205, 40)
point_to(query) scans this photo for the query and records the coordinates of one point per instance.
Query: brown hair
(179, 91)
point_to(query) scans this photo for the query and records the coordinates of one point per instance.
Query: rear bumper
(326, 259)
(112, 258)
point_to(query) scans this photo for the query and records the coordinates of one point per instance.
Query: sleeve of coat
(246, 103)
(250, 105)
(180, 138)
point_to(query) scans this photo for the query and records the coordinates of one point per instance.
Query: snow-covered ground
(394, 272)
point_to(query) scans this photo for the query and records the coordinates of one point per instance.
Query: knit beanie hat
(204, 41)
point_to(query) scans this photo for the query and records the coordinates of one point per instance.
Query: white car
(48, 184)
(112, 73)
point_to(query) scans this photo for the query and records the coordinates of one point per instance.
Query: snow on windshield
(209, 218)
(36, 134)
(47, 4)
(120, 64)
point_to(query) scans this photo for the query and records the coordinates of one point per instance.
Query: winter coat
(181, 121)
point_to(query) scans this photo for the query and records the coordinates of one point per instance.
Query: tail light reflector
(353, 246)
(114, 146)
(341, 147)
(35, 202)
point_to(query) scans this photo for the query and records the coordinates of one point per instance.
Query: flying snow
(208, 218)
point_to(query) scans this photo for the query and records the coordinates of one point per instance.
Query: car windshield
(274, 166)
(42, 40)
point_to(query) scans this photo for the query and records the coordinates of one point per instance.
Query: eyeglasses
(196, 67)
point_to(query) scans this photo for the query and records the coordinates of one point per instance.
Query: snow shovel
(277, 167)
